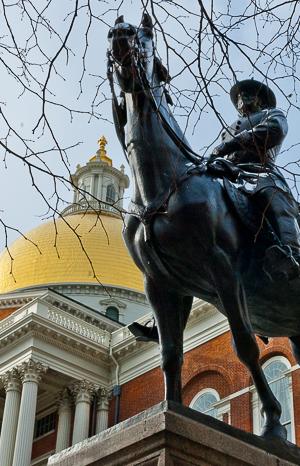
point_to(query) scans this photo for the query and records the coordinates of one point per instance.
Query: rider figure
(252, 144)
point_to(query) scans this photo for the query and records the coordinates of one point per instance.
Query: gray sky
(22, 207)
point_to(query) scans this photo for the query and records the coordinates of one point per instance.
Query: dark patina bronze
(194, 233)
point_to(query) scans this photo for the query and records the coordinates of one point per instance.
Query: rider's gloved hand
(220, 150)
(225, 148)
(220, 167)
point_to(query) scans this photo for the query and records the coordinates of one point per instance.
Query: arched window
(277, 373)
(112, 312)
(110, 193)
(205, 401)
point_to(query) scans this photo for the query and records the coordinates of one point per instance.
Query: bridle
(135, 53)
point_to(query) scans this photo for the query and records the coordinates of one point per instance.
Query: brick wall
(7, 312)
(211, 365)
(43, 445)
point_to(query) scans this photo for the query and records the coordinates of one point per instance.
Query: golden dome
(68, 263)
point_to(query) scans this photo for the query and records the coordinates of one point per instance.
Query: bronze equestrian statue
(193, 232)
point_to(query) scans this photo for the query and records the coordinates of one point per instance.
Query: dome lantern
(98, 185)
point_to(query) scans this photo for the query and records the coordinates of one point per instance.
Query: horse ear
(120, 19)
(147, 21)
(162, 72)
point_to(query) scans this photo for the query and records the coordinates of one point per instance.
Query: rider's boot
(282, 263)
(144, 332)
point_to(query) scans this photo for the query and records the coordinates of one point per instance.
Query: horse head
(132, 54)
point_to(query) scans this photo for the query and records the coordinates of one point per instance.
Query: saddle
(243, 206)
(234, 179)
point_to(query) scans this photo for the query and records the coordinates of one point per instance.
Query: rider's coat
(253, 143)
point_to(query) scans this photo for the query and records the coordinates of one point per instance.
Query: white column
(31, 374)
(83, 392)
(12, 385)
(92, 186)
(64, 420)
(102, 410)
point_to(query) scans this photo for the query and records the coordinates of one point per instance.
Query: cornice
(86, 351)
(34, 326)
(98, 290)
(63, 319)
(14, 301)
(99, 167)
(25, 295)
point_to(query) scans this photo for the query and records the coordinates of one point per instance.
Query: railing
(76, 325)
(59, 317)
(90, 206)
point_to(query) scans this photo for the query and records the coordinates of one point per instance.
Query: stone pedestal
(171, 435)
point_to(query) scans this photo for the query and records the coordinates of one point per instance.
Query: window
(110, 193)
(205, 402)
(277, 373)
(112, 312)
(45, 425)
(208, 402)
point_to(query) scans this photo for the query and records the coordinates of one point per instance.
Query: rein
(119, 127)
(192, 156)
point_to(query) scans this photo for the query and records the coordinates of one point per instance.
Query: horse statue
(182, 231)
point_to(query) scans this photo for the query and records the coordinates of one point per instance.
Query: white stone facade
(57, 353)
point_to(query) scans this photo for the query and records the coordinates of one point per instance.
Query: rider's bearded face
(248, 103)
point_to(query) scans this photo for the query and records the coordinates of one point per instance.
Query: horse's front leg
(171, 312)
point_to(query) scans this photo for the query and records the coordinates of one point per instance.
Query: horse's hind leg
(231, 294)
(171, 312)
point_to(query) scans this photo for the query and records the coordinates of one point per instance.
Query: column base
(169, 434)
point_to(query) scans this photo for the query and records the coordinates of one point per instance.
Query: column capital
(32, 371)
(64, 399)
(103, 397)
(11, 380)
(83, 390)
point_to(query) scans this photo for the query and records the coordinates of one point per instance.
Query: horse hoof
(277, 431)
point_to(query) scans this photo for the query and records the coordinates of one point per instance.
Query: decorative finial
(101, 152)
(102, 145)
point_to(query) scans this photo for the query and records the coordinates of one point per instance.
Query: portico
(51, 369)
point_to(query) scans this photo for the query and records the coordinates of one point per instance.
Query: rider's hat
(266, 95)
